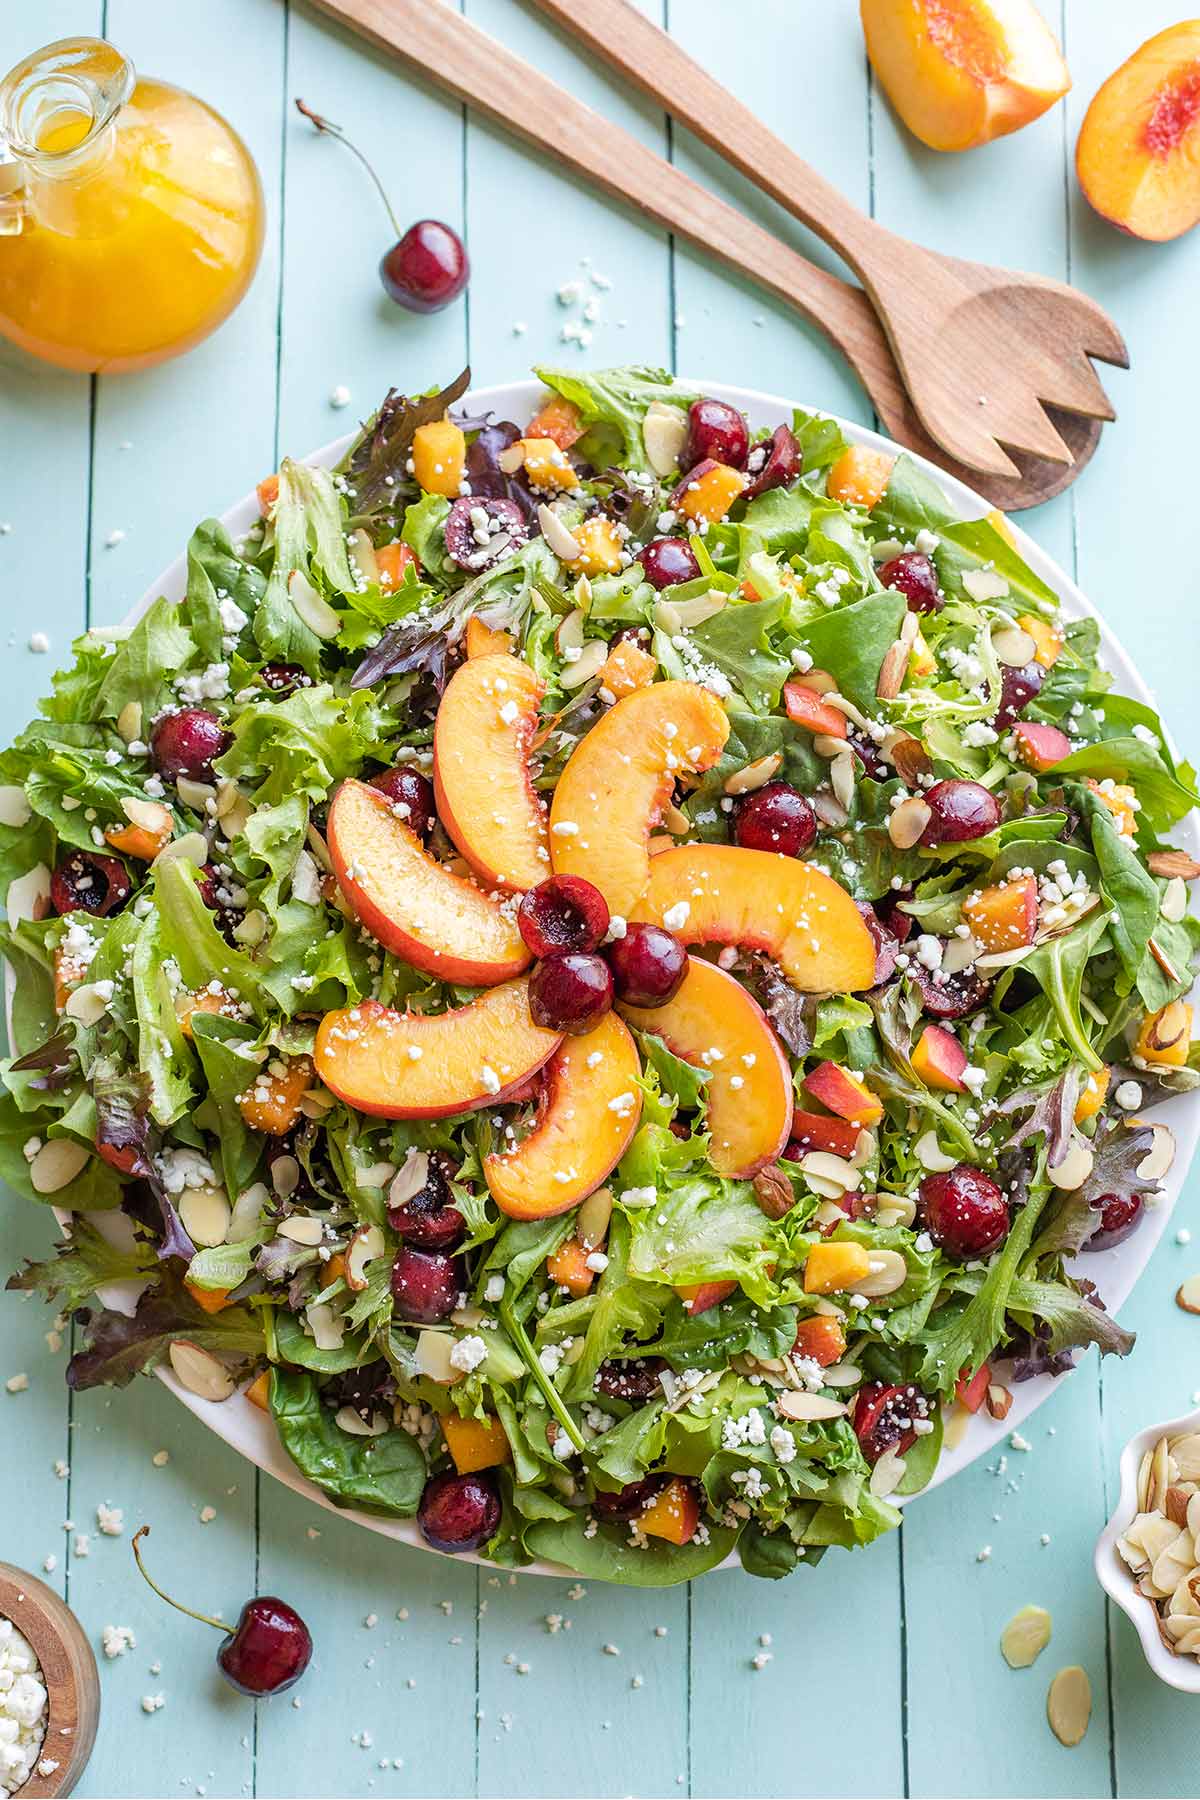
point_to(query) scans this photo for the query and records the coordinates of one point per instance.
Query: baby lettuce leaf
(1125, 882)
(703, 1229)
(118, 1348)
(852, 641)
(382, 1474)
(618, 397)
(214, 569)
(608, 1556)
(82, 1263)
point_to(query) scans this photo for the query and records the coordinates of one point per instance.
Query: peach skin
(1138, 154)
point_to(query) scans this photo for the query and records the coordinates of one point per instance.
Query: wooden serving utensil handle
(649, 59)
(438, 41)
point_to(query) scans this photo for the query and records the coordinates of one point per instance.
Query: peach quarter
(481, 782)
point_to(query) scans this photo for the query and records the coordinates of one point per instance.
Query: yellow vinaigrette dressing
(131, 215)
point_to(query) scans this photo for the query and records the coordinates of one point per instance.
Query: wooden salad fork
(982, 350)
(436, 40)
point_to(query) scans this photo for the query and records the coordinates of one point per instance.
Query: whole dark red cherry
(1017, 688)
(913, 575)
(777, 463)
(427, 268)
(564, 913)
(964, 1211)
(1119, 1216)
(717, 432)
(283, 678)
(630, 1501)
(428, 1218)
(885, 1416)
(668, 561)
(187, 743)
(86, 882)
(266, 1652)
(648, 965)
(570, 991)
(961, 810)
(459, 1512)
(426, 1285)
(633, 1378)
(411, 793)
(777, 817)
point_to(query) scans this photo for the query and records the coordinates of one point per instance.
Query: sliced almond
(1075, 1167)
(676, 822)
(809, 1407)
(362, 555)
(895, 1209)
(1168, 863)
(592, 659)
(512, 458)
(285, 1175)
(848, 709)
(1014, 648)
(592, 1219)
(1175, 1506)
(560, 540)
(999, 1400)
(129, 721)
(150, 815)
(667, 618)
(888, 1271)
(327, 1327)
(700, 608)
(302, 1228)
(367, 1243)
(1174, 903)
(310, 607)
(959, 953)
(842, 1375)
(1187, 1294)
(195, 794)
(1171, 1024)
(1069, 1705)
(199, 1372)
(57, 1164)
(985, 584)
(841, 778)
(306, 879)
(829, 1213)
(1160, 1481)
(1185, 1451)
(817, 681)
(907, 822)
(887, 1474)
(894, 666)
(89, 1002)
(15, 809)
(831, 812)
(1164, 961)
(29, 895)
(1161, 1154)
(931, 1156)
(411, 1178)
(827, 746)
(353, 1423)
(316, 1102)
(754, 775)
(205, 1215)
(834, 1170)
(247, 1212)
(910, 759)
(191, 847)
(432, 1356)
(253, 927)
(1025, 1636)
(664, 433)
(568, 635)
(318, 849)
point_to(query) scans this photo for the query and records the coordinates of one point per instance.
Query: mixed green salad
(711, 1347)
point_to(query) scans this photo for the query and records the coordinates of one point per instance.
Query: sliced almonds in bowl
(1147, 1559)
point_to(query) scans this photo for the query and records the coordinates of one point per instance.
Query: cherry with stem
(267, 1650)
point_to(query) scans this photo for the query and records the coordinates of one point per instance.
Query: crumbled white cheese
(22, 1708)
(468, 1353)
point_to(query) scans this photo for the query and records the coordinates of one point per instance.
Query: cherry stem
(144, 1531)
(327, 125)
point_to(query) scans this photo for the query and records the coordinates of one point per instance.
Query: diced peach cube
(1048, 638)
(600, 547)
(709, 492)
(806, 708)
(272, 1102)
(1121, 801)
(628, 668)
(483, 641)
(1092, 1095)
(568, 1267)
(259, 1391)
(1165, 1037)
(475, 1443)
(939, 1059)
(835, 1268)
(921, 662)
(547, 465)
(439, 457)
(558, 420)
(820, 1340)
(844, 1094)
(674, 1514)
(1003, 917)
(392, 560)
(212, 1300)
(268, 493)
(1039, 747)
(860, 476)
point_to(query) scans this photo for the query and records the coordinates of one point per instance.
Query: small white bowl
(1182, 1672)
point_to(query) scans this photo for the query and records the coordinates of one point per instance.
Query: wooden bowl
(69, 1672)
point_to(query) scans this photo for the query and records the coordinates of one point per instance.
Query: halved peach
(962, 72)
(844, 1094)
(485, 799)
(591, 1104)
(397, 1065)
(1004, 917)
(619, 778)
(1138, 154)
(435, 920)
(939, 1059)
(713, 1023)
(721, 894)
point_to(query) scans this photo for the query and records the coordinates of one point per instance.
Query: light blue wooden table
(885, 1675)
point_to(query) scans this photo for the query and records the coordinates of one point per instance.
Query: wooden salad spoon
(436, 40)
(982, 350)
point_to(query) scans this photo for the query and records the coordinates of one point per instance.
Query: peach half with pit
(619, 778)
(722, 894)
(437, 921)
(588, 1112)
(397, 1065)
(481, 781)
(714, 1024)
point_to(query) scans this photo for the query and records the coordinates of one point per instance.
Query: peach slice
(705, 1294)
(435, 920)
(1138, 154)
(713, 1023)
(813, 1131)
(620, 777)
(721, 894)
(962, 72)
(844, 1094)
(591, 1104)
(397, 1065)
(820, 1339)
(485, 799)
(939, 1059)
(1039, 747)
(674, 1514)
